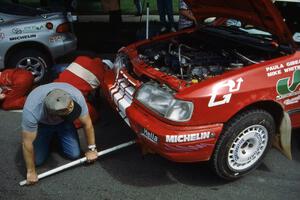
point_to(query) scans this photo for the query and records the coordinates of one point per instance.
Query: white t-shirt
(184, 22)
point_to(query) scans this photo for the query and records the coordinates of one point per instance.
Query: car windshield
(235, 27)
(290, 12)
(17, 9)
(245, 35)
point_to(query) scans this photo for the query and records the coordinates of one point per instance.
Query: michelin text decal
(24, 37)
(188, 137)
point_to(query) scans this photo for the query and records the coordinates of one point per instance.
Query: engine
(190, 59)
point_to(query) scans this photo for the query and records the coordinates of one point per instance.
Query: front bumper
(174, 142)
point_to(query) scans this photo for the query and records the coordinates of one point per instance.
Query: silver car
(32, 39)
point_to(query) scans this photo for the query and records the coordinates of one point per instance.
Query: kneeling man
(50, 111)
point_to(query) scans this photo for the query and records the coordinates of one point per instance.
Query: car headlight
(162, 101)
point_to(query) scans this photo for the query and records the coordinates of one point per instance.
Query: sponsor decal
(296, 37)
(28, 29)
(16, 31)
(189, 137)
(2, 36)
(287, 87)
(283, 86)
(150, 136)
(55, 38)
(23, 37)
(33, 29)
(292, 100)
(44, 16)
(230, 85)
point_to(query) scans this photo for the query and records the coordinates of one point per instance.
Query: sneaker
(173, 29)
(163, 29)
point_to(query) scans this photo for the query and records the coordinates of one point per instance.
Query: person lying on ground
(15, 84)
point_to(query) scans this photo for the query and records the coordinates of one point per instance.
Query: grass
(94, 6)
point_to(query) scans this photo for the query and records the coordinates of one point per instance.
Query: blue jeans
(67, 138)
(165, 7)
(138, 5)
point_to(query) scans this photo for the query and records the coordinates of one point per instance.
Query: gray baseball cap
(59, 100)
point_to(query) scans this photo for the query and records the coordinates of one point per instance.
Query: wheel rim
(248, 147)
(35, 65)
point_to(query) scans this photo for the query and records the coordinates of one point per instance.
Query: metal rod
(147, 22)
(79, 161)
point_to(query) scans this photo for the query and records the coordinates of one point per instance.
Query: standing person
(14, 86)
(114, 10)
(84, 74)
(50, 111)
(186, 17)
(165, 7)
(138, 5)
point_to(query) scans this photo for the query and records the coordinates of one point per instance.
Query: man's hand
(91, 156)
(31, 178)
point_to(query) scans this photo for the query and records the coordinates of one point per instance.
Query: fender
(284, 142)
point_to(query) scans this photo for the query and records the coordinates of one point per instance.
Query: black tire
(243, 144)
(39, 63)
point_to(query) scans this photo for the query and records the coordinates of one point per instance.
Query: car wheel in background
(32, 60)
(243, 144)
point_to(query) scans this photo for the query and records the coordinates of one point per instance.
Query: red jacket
(84, 74)
(15, 84)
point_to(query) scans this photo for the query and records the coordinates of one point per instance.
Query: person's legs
(138, 5)
(68, 139)
(169, 11)
(42, 142)
(161, 12)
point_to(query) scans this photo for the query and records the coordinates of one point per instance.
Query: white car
(33, 38)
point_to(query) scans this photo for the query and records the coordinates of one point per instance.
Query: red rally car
(222, 91)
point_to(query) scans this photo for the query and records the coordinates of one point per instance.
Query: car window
(290, 12)
(17, 9)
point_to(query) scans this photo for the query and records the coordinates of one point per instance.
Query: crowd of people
(165, 11)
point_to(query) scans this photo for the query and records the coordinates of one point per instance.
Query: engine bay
(198, 56)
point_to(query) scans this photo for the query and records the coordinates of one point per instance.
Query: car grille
(122, 94)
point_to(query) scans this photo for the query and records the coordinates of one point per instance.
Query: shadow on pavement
(130, 167)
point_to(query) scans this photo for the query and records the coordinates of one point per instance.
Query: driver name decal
(279, 69)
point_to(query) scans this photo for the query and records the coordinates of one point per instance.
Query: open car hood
(260, 13)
